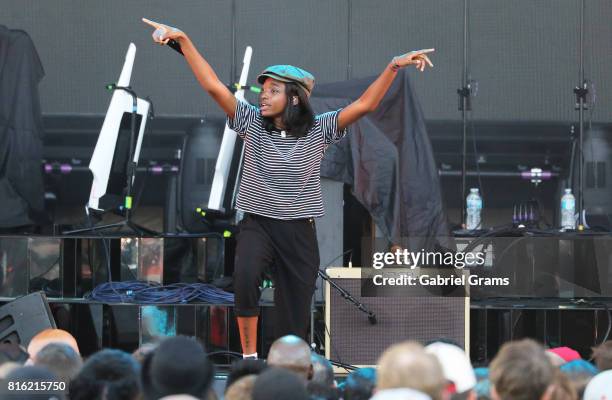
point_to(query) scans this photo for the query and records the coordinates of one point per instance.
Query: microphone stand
(581, 92)
(465, 105)
(346, 295)
(349, 297)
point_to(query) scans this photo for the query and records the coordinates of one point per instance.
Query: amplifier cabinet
(351, 339)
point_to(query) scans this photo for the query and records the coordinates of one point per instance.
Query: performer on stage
(280, 191)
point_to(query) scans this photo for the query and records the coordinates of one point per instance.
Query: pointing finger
(424, 51)
(151, 23)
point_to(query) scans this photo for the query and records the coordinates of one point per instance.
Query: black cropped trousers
(289, 250)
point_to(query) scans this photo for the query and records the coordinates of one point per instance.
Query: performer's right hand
(164, 33)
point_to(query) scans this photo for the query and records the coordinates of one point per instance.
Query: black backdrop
(523, 54)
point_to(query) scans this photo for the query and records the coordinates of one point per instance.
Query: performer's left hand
(418, 58)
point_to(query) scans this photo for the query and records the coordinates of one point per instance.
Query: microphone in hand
(161, 33)
(174, 45)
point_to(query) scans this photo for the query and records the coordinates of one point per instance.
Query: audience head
(322, 370)
(521, 371)
(60, 359)
(292, 353)
(456, 366)
(35, 373)
(579, 373)
(359, 384)
(108, 375)
(44, 337)
(279, 384)
(562, 388)
(602, 355)
(600, 387)
(179, 365)
(407, 365)
(242, 368)
(241, 389)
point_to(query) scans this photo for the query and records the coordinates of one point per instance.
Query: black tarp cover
(21, 185)
(388, 161)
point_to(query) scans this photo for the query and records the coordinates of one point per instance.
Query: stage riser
(71, 267)
(578, 328)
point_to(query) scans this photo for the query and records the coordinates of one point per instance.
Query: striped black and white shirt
(281, 175)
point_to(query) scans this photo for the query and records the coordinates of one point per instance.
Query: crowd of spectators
(178, 368)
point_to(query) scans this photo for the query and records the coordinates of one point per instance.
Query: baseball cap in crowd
(288, 73)
(456, 365)
(481, 373)
(566, 353)
(600, 387)
(582, 367)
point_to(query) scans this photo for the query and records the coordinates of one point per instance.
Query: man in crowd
(292, 353)
(406, 371)
(521, 370)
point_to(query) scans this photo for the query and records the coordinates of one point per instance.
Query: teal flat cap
(288, 73)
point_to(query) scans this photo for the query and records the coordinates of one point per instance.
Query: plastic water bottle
(474, 207)
(568, 210)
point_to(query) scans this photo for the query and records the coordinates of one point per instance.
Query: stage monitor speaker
(351, 339)
(23, 318)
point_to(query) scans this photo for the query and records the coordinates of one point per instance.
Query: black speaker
(197, 171)
(23, 318)
(350, 338)
(597, 177)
